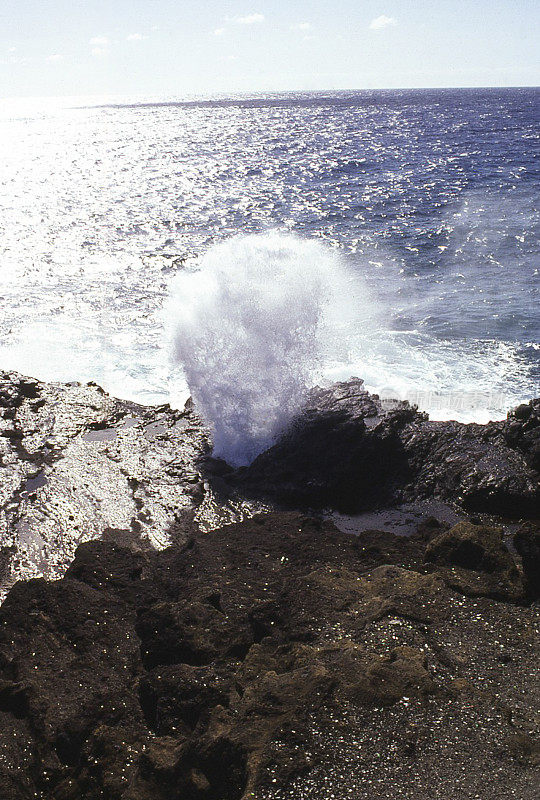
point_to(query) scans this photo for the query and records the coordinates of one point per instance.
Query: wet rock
(331, 457)
(275, 657)
(348, 453)
(522, 431)
(78, 464)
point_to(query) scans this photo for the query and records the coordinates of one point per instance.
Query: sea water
(426, 201)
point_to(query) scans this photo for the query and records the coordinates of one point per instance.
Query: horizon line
(210, 96)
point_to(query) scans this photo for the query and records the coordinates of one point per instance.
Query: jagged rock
(77, 464)
(368, 678)
(390, 589)
(346, 452)
(522, 431)
(273, 657)
(176, 698)
(331, 457)
(471, 546)
(244, 662)
(190, 632)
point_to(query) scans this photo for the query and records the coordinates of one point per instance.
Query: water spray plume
(251, 329)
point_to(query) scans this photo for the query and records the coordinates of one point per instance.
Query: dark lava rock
(276, 657)
(522, 431)
(342, 453)
(476, 561)
(472, 547)
(347, 453)
(527, 543)
(77, 464)
(273, 658)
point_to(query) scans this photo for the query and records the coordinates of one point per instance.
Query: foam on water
(252, 330)
(258, 320)
(429, 197)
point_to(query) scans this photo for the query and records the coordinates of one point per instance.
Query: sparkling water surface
(432, 196)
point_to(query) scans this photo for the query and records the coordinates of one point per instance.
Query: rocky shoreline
(194, 631)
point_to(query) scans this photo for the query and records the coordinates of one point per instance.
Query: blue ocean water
(430, 195)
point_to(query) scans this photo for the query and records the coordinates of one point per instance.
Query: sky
(165, 48)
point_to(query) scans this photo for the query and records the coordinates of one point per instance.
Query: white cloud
(381, 22)
(249, 19)
(99, 45)
(15, 60)
(302, 26)
(55, 58)
(219, 32)
(136, 37)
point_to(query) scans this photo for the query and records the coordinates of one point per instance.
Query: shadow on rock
(347, 453)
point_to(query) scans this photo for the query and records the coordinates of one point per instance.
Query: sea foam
(252, 327)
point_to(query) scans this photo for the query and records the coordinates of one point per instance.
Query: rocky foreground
(192, 647)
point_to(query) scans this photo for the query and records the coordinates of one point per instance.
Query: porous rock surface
(269, 656)
(272, 658)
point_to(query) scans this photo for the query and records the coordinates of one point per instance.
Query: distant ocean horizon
(430, 196)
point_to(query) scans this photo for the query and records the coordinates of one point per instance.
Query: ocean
(429, 196)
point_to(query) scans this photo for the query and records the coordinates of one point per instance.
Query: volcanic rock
(76, 464)
(527, 543)
(476, 561)
(348, 453)
(183, 653)
(271, 658)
